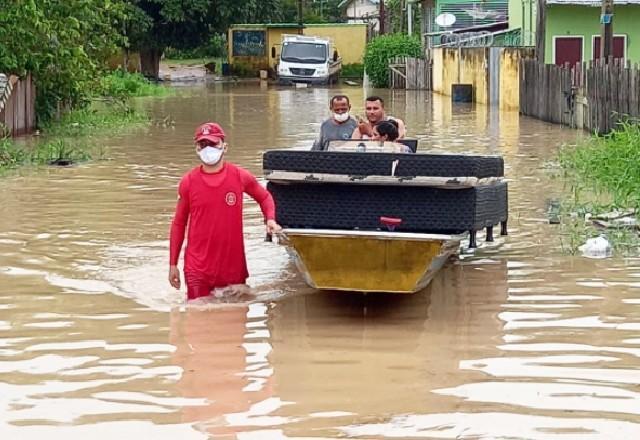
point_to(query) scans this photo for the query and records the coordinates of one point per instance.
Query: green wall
(522, 15)
(563, 20)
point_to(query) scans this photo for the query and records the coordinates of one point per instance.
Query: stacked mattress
(430, 193)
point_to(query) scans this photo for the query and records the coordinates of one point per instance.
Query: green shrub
(91, 120)
(355, 70)
(608, 165)
(122, 85)
(381, 49)
(216, 47)
(243, 70)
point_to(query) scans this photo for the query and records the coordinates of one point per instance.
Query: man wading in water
(210, 201)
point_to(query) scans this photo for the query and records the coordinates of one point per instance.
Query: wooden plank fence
(17, 106)
(594, 96)
(410, 73)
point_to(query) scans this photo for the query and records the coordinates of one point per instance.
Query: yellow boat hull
(369, 261)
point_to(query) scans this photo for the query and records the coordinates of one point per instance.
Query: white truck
(307, 59)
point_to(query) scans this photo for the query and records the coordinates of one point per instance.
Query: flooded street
(517, 340)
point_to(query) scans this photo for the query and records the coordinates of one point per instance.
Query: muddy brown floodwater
(517, 340)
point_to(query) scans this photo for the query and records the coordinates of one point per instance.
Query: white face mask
(210, 155)
(341, 117)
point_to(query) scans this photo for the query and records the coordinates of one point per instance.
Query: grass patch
(355, 70)
(96, 118)
(55, 152)
(608, 165)
(604, 172)
(123, 85)
(70, 139)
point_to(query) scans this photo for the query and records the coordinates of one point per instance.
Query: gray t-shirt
(330, 130)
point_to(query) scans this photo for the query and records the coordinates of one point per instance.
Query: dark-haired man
(339, 126)
(210, 201)
(374, 111)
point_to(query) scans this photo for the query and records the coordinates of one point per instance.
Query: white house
(361, 11)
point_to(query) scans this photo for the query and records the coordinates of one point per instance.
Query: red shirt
(212, 205)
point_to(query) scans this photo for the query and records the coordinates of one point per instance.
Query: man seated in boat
(383, 139)
(374, 111)
(339, 126)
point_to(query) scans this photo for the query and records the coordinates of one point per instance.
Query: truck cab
(307, 59)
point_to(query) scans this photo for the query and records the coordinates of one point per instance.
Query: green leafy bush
(63, 44)
(215, 47)
(122, 85)
(355, 70)
(243, 70)
(608, 164)
(381, 49)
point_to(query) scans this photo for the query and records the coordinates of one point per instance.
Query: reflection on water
(514, 340)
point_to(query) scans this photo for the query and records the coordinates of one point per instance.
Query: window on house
(619, 46)
(567, 50)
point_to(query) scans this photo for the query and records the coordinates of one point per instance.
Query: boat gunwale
(383, 235)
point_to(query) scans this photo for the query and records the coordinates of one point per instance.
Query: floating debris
(596, 248)
(553, 212)
(616, 220)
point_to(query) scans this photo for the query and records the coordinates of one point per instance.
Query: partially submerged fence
(17, 105)
(546, 91)
(410, 73)
(594, 96)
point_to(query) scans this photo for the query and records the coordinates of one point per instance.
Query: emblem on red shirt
(230, 198)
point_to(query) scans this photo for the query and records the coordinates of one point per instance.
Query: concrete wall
(471, 66)
(572, 20)
(273, 37)
(510, 76)
(350, 39)
(461, 66)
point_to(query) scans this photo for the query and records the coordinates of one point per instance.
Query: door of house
(619, 45)
(568, 50)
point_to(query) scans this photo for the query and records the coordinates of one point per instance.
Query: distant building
(469, 16)
(472, 13)
(361, 11)
(572, 30)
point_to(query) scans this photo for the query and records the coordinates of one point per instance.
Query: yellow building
(253, 45)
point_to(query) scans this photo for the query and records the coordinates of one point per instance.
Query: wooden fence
(594, 96)
(17, 105)
(410, 73)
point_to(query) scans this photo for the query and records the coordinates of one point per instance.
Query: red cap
(209, 131)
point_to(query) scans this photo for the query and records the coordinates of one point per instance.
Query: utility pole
(410, 17)
(382, 17)
(300, 17)
(606, 34)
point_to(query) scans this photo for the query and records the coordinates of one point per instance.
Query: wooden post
(540, 30)
(381, 18)
(606, 34)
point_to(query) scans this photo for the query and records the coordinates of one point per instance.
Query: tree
(153, 25)
(63, 44)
